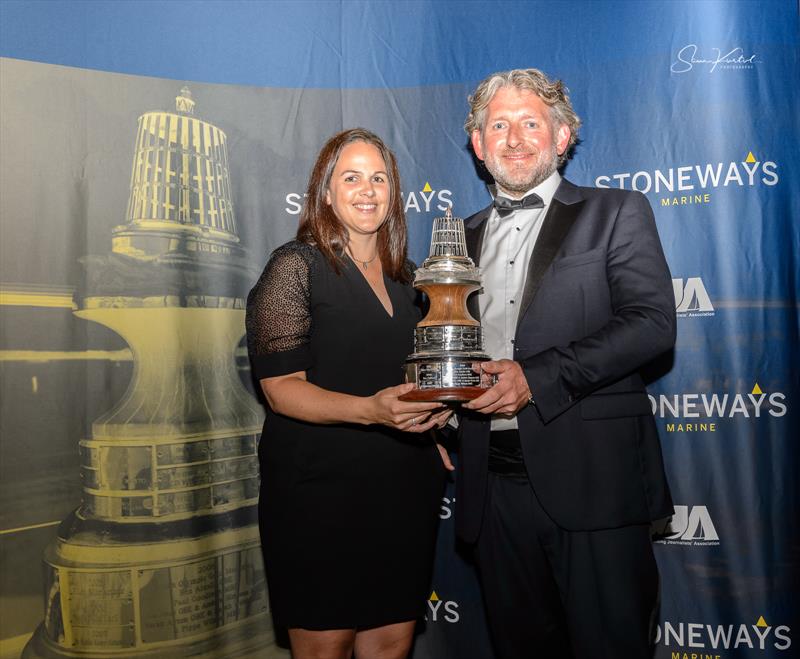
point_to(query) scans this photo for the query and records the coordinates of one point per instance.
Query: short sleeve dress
(348, 513)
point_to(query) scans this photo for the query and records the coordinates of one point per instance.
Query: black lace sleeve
(278, 318)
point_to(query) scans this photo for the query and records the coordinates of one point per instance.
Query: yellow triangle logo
(427, 187)
(434, 597)
(761, 622)
(756, 390)
(750, 157)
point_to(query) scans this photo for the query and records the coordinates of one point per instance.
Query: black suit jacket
(597, 305)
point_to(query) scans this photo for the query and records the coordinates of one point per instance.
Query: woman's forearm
(295, 397)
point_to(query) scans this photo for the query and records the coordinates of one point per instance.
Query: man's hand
(509, 395)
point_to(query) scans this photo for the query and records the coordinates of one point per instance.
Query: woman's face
(359, 189)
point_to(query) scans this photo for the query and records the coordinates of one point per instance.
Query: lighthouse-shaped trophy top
(448, 341)
(448, 261)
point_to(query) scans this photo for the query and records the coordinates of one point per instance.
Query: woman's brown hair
(319, 225)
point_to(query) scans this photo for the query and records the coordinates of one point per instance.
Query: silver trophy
(448, 342)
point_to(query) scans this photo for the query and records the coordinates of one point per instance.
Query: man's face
(519, 143)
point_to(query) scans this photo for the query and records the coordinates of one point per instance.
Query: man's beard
(518, 182)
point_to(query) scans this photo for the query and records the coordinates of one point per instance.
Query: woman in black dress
(351, 484)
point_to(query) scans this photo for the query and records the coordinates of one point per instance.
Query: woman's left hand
(446, 461)
(441, 418)
(429, 420)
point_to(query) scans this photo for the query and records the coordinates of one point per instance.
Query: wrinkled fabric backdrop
(155, 153)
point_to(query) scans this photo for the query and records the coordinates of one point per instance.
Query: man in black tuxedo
(561, 470)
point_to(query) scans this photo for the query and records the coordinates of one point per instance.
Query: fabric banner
(145, 178)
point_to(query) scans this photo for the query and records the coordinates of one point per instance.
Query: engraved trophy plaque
(448, 341)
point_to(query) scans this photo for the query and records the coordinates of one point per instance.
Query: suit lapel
(557, 222)
(474, 228)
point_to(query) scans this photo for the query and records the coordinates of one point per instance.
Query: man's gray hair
(553, 94)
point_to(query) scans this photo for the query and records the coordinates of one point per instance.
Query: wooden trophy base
(443, 395)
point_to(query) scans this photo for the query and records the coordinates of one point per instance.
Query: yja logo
(704, 640)
(442, 610)
(691, 298)
(689, 525)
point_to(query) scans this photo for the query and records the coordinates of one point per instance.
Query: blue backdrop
(693, 103)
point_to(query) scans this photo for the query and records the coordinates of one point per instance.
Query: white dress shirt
(506, 251)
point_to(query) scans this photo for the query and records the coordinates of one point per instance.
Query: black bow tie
(506, 206)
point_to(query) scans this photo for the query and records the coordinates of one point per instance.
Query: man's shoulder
(572, 192)
(475, 218)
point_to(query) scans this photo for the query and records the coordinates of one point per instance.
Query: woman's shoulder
(295, 255)
(295, 249)
(291, 262)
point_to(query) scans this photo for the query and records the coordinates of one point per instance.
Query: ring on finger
(414, 421)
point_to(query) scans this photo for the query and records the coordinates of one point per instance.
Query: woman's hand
(448, 464)
(385, 408)
(292, 395)
(442, 417)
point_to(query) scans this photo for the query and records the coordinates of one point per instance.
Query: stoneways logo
(426, 200)
(696, 640)
(695, 183)
(446, 509)
(440, 610)
(703, 411)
